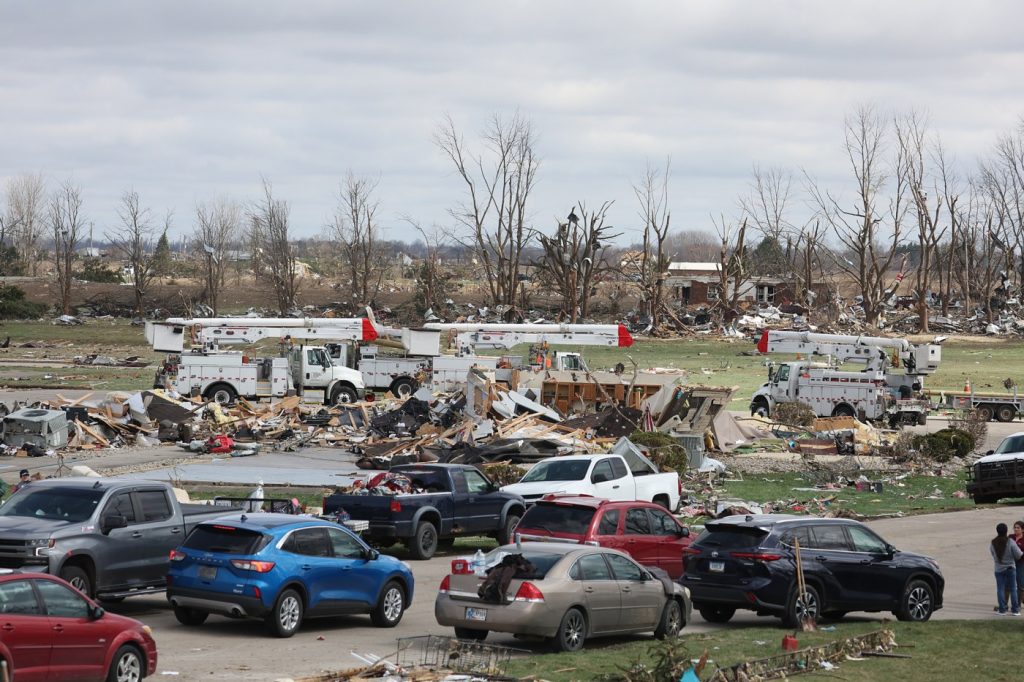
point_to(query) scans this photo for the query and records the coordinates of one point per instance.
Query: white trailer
(875, 393)
(222, 376)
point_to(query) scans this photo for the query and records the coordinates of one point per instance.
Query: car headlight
(42, 546)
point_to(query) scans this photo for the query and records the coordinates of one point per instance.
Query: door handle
(136, 534)
(615, 487)
(58, 627)
(821, 558)
(306, 567)
(7, 626)
(346, 568)
(585, 589)
(626, 589)
(175, 531)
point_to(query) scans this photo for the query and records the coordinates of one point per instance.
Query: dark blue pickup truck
(460, 501)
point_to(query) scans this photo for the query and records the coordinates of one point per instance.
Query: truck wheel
(922, 419)
(423, 544)
(79, 579)
(1006, 413)
(843, 410)
(986, 412)
(507, 534)
(222, 394)
(342, 395)
(759, 409)
(663, 501)
(403, 387)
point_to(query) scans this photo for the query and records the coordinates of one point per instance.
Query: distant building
(698, 284)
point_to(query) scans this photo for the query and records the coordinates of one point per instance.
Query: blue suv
(283, 568)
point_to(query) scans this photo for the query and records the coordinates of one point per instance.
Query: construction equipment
(874, 393)
(222, 376)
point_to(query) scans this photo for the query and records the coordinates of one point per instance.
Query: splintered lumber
(95, 435)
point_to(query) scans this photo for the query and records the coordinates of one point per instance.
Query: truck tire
(403, 387)
(79, 579)
(222, 394)
(986, 412)
(506, 535)
(759, 408)
(342, 395)
(1006, 413)
(922, 419)
(423, 543)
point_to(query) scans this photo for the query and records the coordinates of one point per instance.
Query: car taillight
(446, 585)
(255, 566)
(528, 592)
(176, 555)
(691, 550)
(756, 556)
(396, 506)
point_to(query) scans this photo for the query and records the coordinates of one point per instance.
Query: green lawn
(941, 651)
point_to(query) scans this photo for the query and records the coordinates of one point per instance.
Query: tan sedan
(573, 592)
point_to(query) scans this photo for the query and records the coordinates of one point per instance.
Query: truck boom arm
(472, 336)
(212, 332)
(869, 350)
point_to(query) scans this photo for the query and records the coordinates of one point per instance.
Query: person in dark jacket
(23, 480)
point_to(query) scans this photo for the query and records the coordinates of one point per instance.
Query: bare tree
(652, 193)
(356, 230)
(134, 242)
(26, 199)
(431, 277)
(911, 135)
(869, 232)
(574, 257)
(732, 269)
(270, 221)
(765, 208)
(217, 226)
(498, 186)
(66, 226)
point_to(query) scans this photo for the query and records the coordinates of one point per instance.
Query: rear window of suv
(731, 538)
(225, 540)
(557, 518)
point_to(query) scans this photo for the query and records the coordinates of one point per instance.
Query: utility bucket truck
(223, 375)
(874, 393)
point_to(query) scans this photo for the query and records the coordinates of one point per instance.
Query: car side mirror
(890, 551)
(112, 521)
(991, 452)
(684, 532)
(95, 612)
(371, 555)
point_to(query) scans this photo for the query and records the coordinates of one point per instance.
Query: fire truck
(816, 379)
(207, 369)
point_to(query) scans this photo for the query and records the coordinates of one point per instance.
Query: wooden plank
(94, 434)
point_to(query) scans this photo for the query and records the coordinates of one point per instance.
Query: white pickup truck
(607, 476)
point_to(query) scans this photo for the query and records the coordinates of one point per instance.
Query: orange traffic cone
(967, 385)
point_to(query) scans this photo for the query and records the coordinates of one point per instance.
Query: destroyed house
(698, 284)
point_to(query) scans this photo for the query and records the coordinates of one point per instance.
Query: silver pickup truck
(108, 537)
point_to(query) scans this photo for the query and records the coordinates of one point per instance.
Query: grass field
(987, 362)
(941, 651)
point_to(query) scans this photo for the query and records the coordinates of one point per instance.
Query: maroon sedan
(51, 631)
(645, 531)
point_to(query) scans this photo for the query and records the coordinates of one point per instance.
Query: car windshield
(730, 538)
(557, 518)
(225, 539)
(542, 561)
(70, 504)
(1011, 444)
(571, 470)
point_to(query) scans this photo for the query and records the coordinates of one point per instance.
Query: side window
(662, 522)
(155, 506)
(829, 537)
(121, 505)
(61, 601)
(637, 523)
(802, 534)
(609, 522)
(459, 481)
(625, 569)
(17, 596)
(602, 471)
(344, 545)
(476, 483)
(618, 468)
(593, 567)
(309, 542)
(783, 374)
(866, 541)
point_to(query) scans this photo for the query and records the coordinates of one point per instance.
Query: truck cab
(781, 387)
(312, 368)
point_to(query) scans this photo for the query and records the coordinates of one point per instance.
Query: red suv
(51, 631)
(645, 531)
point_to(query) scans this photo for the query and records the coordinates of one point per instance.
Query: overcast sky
(185, 101)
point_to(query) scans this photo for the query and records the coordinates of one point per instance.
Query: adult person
(24, 480)
(1018, 539)
(1005, 555)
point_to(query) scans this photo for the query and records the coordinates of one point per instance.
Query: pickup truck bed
(460, 502)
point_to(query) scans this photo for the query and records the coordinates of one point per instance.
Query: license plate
(716, 566)
(207, 572)
(476, 614)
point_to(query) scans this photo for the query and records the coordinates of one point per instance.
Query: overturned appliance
(36, 426)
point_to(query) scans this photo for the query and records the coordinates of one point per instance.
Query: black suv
(749, 562)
